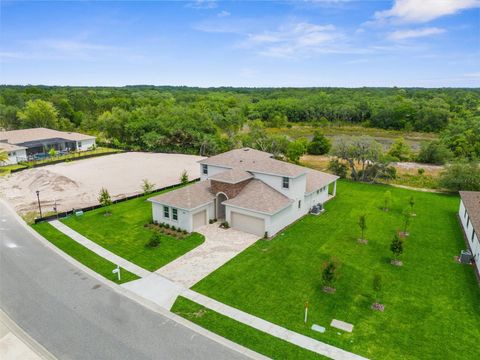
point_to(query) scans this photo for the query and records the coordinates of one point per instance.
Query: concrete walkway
(220, 246)
(89, 244)
(272, 329)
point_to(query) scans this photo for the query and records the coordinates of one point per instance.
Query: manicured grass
(432, 303)
(82, 254)
(5, 170)
(241, 334)
(124, 233)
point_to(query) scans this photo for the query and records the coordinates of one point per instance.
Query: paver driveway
(220, 246)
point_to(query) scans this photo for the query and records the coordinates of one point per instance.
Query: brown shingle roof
(317, 179)
(471, 200)
(258, 196)
(188, 197)
(36, 134)
(232, 176)
(255, 161)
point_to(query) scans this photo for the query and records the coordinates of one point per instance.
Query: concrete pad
(220, 246)
(12, 348)
(342, 325)
(318, 328)
(157, 289)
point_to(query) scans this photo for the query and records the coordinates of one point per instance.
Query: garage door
(199, 219)
(248, 223)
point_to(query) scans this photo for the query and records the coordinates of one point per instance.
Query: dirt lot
(77, 184)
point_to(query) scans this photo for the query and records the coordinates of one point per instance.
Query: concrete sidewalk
(267, 327)
(89, 244)
(16, 344)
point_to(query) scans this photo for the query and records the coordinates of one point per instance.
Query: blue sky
(429, 43)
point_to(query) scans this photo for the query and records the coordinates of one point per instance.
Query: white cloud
(223, 13)
(295, 39)
(202, 4)
(419, 11)
(415, 33)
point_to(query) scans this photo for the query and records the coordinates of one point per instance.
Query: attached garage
(247, 223)
(199, 219)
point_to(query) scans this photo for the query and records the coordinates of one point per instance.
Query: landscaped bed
(82, 254)
(125, 233)
(431, 302)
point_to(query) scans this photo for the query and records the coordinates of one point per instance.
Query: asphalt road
(74, 316)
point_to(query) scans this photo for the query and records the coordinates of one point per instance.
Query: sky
(302, 43)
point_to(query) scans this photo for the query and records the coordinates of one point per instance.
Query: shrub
(104, 199)
(147, 186)
(461, 176)
(338, 168)
(434, 152)
(173, 228)
(167, 226)
(396, 246)
(184, 177)
(329, 273)
(319, 145)
(265, 236)
(421, 171)
(154, 240)
(400, 150)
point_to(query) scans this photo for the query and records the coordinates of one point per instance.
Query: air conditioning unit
(466, 257)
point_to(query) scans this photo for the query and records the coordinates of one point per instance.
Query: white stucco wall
(296, 188)
(185, 217)
(14, 157)
(473, 242)
(85, 144)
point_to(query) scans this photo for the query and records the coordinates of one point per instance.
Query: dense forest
(206, 121)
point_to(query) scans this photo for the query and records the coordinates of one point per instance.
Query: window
(166, 212)
(473, 234)
(79, 144)
(204, 169)
(299, 204)
(468, 221)
(174, 214)
(285, 182)
(318, 191)
(464, 215)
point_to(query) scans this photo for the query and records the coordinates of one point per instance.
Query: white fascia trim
(178, 207)
(277, 175)
(261, 212)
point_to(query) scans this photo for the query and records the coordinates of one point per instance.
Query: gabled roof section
(255, 161)
(471, 201)
(188, 197)
(260, 197)
(37, 134)
(317, 179)
(10, 147)
(232, 176)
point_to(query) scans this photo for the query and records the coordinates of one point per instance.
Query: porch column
(334, 188)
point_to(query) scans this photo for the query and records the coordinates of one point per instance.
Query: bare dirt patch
(77, 184)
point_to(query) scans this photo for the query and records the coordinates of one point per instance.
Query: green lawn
(432, 303)
(241, 334)
(124, 234)
(82, 254)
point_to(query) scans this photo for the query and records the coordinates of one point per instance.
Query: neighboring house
(247, 188)
(38, 141)
(470, 217)
(15, 153)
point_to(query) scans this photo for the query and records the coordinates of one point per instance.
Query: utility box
(466, 257)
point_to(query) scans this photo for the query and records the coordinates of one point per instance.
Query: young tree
(184, 177)
(400, 150)
(329, 273)
(104, 199)
(319, 145)
(154, 240)
(147, 186)
(387, 200)
(396, 247)
(362, 223)
(377, 286)
(407, 216)
(411, 202)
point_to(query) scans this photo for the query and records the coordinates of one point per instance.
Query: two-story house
(247, 188)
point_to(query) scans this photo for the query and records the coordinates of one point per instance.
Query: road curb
(132, 296)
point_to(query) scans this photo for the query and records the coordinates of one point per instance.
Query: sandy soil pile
(77, 184)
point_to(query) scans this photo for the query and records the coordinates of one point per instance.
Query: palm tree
(3, 157)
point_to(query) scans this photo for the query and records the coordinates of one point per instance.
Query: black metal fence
(64, 214)
(73, 158)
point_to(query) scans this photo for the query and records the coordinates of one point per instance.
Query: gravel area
(76, 184)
